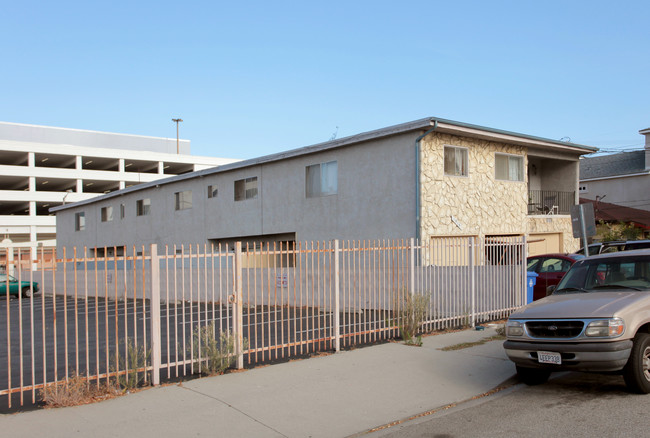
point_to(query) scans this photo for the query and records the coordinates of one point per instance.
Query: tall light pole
(178, 148)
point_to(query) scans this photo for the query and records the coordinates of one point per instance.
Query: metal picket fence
(272, 301)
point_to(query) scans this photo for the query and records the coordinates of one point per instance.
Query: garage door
(544, 244)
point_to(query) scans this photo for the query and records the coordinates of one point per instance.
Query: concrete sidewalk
(331, 396)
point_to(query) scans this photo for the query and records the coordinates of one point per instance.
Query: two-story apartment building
(423, 179)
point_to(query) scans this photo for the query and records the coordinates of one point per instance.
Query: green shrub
(410, 312)
(130, 368)
(217, 353)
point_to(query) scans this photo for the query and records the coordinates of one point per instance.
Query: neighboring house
(615, 214)
(623, 178)
(42, 167)
(424, 179)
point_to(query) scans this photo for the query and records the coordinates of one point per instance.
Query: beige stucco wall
(555, 224)
(479, 203)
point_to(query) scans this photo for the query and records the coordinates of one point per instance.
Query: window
(455, 161)
(321, 179)
(212, 191)
(183, 200)
(509, 167)
(143, 207)
(80, 221)
(107, 214)
(122, 211)
(246, 189)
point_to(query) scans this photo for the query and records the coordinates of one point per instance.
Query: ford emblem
(552, 328)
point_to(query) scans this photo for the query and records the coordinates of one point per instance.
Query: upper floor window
(143, 207)
(80, 221)
(246, 189)
(183, 200)
(455, 161)
(509, 167)
(321, 179)
(212, 191)
(107, 214)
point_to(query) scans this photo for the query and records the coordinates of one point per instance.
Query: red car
(550, 268)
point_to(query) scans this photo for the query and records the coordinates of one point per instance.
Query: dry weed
(77, 390)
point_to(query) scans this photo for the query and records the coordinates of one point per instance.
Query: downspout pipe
(417, 179)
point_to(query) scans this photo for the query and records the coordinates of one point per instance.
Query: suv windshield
(606, 274)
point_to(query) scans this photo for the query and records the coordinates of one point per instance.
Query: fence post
(238, 325)
(337, 303)
(472, 279)
(9, 267)
(156, 350)
(412, 269)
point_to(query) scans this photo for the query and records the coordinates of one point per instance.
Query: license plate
(549, 357)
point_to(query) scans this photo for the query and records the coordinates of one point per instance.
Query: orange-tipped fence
(167, 312)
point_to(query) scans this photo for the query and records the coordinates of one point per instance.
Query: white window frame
(143, 207)
(248, 188)
(321, 179)
(509, 163)
(183, 200)
(464, 156)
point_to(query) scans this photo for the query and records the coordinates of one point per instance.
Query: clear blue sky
(251, 78)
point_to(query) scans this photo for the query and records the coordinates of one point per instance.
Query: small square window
(509, 167)
(212, 191)
(321, 179)
(107, 214)
(455, 161)
(143, 207)
(246, 189)
(183, 200)
(80, 221)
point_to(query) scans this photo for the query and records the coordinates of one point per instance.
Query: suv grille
(554, 329)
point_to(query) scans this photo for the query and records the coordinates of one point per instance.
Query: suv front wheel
(637, 370)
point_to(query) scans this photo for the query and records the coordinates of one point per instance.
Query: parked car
(614, 246)
(25, 288)
(597, 320)
(550, 268)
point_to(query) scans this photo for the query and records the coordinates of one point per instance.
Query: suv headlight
(605, 328)
(514, 328)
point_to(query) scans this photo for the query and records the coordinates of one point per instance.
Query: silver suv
(597, 319)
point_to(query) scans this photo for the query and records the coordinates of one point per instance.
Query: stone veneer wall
(480, 203)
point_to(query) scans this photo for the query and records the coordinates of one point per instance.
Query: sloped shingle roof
(623, 163)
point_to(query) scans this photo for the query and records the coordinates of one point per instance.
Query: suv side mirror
(550, 290)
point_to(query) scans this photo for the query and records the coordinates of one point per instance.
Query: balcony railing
(550, 202)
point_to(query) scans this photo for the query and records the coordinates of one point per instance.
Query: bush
(76, 390)
(130, 369)
(217, 353)
(410, 312)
